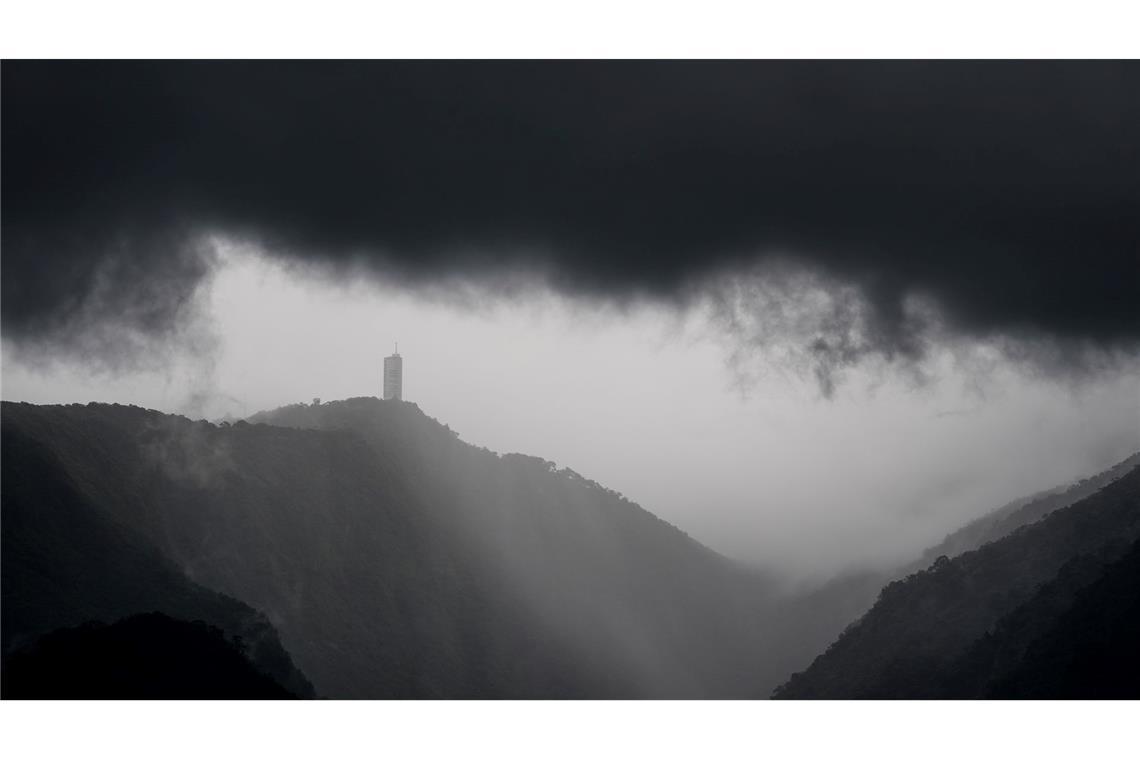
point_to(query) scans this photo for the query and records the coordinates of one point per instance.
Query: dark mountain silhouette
(814, 619)
(66, 561)
(1090, 650)
(988, 622)
(150, 656)
(1074, 638)
(396, 561)
(1005, 520)
(387, 558)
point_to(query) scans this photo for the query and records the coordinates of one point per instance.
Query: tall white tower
(394, 376)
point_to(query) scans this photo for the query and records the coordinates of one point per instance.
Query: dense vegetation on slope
(961, 627)
(1090, 650)
(810, 621)
(369, 595)
(614, 582)
(1075, 637)
(1005, 520)
(396, 561)
(149, 656)
(66, 562)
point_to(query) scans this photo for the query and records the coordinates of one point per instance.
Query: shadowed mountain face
(68, 560)
(628, 592)
(813, 620)
(393, 560)
(149, 656)
(1087, 651)
(1005, 520)
(991, 621)
(397, 561)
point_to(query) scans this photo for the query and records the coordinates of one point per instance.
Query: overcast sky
(816, 314)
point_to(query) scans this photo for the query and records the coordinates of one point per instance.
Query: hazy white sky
(642, 400)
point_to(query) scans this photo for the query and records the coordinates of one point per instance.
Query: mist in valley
(647, 399)
(700, 390)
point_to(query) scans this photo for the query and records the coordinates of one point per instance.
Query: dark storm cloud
(1008, 194)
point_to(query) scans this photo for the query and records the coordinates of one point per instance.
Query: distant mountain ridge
(1005, 520)
(841, 601)
(966, 626)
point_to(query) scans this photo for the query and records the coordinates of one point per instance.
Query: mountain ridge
(390, 559)
(448, 570)
(65, 564)
(927, 634)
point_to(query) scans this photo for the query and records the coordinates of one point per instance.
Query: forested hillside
(984, 623)
(1005, 520)
(148, 656)
(1089, 650)
(361, 549)
(397, 561)
(814, 619)
(611, 579)
(66, 561)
